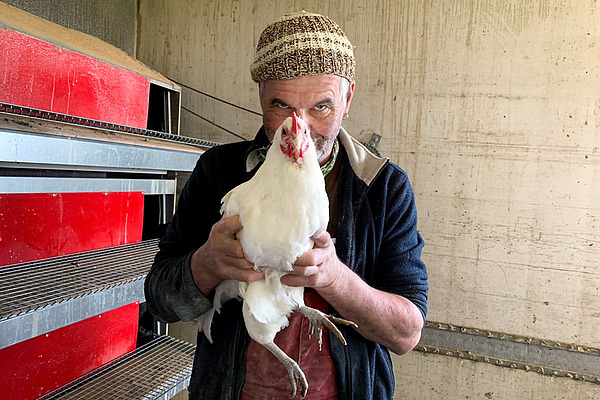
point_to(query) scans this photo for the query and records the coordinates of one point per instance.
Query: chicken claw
(293, 370)
(318, 319)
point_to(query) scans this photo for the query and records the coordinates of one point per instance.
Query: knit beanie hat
(301, 44)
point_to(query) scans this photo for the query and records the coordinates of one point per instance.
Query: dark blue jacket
(376, 237)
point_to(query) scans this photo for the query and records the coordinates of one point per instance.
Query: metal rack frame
(42, 152)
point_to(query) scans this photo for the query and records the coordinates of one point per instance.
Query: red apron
(267, 378)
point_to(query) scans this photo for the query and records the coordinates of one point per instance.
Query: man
(371, 273)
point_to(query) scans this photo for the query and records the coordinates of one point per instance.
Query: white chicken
(280, 209)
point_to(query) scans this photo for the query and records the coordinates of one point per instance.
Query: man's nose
(302, 114)
(306, 117)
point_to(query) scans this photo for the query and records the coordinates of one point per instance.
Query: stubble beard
(323, 148)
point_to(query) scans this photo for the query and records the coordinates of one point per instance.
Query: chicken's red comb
(295, 125)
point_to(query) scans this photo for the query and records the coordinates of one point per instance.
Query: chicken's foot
(293, 370)
(318, 319)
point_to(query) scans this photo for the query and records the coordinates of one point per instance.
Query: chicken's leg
(319, 319)
(293, 370)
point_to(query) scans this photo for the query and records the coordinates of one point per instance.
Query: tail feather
(226, 291)
(204, 323)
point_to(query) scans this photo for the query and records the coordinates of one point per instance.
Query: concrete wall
(110, 20)
(492, 107)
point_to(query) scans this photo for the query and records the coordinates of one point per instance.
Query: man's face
(316, 99)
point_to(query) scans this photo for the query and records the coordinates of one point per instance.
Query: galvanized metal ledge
(39, 150)
(40, 296)
(157, 370)
(26, 184)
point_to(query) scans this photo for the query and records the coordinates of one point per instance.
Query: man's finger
(249, 275)
(232, 248)
(230, 225)
(305, 270)
(321, 239)
(311, 257)
(293, 280)
(241, 263)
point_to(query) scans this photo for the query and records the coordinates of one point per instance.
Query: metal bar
(163, 209)
(11, 109)
(161, 328)
(20, 184)
(48, 151)
(79, 168)
(174, 87)
(518, 352)
(168, 112)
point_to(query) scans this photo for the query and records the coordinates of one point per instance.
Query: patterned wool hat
(301, 44)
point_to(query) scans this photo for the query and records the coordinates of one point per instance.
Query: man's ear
(349, 98)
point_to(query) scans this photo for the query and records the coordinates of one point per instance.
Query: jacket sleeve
(170, 290)
(399, 268)
(171, 293)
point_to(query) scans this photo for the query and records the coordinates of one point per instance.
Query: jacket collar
(261, 141)
(365, 164)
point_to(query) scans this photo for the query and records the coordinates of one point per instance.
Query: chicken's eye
(283, 132)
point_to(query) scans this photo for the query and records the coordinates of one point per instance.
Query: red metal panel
(41, 75)
(40, 225)
(33, 368)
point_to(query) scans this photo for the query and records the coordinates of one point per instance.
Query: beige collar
(365, 164)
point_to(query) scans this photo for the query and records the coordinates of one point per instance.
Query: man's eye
(281, 105)
(320, 107)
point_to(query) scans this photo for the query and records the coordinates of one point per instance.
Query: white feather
(280, 208)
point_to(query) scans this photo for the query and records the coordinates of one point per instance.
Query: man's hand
(385, 318)
(319, 267)
(222, 258)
